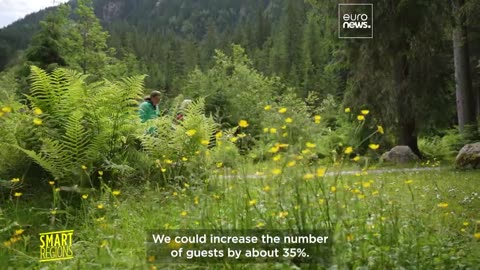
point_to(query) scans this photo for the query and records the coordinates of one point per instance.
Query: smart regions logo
(355, 20)
(56, 246)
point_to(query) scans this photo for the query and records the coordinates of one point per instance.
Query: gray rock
(469, 157)
(399, 154)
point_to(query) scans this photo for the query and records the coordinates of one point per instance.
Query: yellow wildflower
(465, 223)
(283, 110)
(283, 214)
(373, 146)
(234, 139)
(84, 196)
(15, 180)
(364, 112)
(168, 161)
(317, 119)
(243, 123)
(37, 121)
(242, 135)
(348, 150)
(356, 158)
(265, 130)
(37, 111)
(288, 120)
(219, 164)
(277, 158)
(321, 172)
(100, 173)
(443, 205)
(191, 132)
(260, 225)
(116, 192)
(163, 170)
(204, 142)
(476, 235)
(252, 202)
(274, 149)
(333, 188)
(366, 184)
(7, 109)
(291, 163)
(408, 182)
(100, 206)
(360, 117)
(276, 171)
(347, 110)
(51, 183)
(308, 176)
(184, 159)
(84, 167)
(266, 188)
(310, 145)
(267, 108)
(380, 130)
(18, 232)
(183, 213)
(17, 194)
(273, 130)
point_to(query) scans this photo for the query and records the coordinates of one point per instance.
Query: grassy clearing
(414, 220)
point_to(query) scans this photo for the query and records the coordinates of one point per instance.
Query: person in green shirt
(149, 107)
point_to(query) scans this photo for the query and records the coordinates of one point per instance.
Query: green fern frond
(76, 138)
(42, 161)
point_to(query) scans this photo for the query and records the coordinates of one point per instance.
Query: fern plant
(84, 125)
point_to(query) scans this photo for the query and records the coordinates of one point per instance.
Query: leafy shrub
(79, 126)
(444, 147)
(180, 149)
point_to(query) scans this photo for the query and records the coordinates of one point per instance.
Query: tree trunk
(407, 135)
(466, 102)
(477, 102)
(405, 111)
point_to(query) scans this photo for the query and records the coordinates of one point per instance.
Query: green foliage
(444, 147)
(90, 51)
(81, 125)
(14, 132)
(180, 148)
(48, 45)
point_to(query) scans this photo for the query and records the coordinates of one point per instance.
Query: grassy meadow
(409, 220)
(71, 160)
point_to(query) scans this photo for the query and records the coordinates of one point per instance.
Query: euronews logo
(355, 20)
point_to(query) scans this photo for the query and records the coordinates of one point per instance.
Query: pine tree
(47, 47)
(92, 54)
(464, 92)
